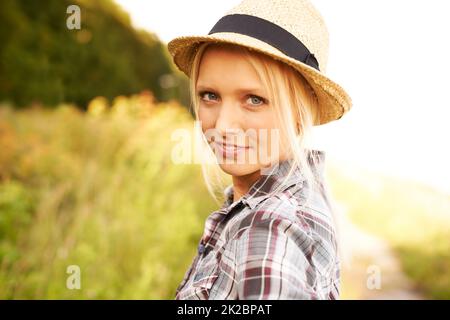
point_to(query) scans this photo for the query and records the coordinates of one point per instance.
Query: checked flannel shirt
(268, 247)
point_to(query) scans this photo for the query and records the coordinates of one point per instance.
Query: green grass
(96, 190)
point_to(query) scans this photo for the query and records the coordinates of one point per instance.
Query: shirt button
(201, 248)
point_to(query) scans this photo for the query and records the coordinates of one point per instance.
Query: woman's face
(236, 116)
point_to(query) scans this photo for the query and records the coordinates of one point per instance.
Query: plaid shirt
(267, 247)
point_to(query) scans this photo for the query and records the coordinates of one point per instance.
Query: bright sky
(391, 56)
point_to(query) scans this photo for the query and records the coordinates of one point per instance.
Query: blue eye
(212, 96)
(256, 101)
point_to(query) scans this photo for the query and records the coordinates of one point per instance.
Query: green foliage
(42, 61)
(16, 209)
(97, 190)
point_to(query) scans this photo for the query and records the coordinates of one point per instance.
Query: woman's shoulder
(313, 220)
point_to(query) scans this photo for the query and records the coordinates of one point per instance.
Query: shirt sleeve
(273, 261)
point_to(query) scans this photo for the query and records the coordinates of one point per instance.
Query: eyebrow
(240, 90)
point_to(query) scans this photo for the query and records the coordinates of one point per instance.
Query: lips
(229, 150)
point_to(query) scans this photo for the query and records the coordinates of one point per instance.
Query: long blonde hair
(297, 111)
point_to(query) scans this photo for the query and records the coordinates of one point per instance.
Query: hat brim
(333, 100)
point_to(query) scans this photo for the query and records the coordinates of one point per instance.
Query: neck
(241, 184)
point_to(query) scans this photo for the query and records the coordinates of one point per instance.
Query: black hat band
(268, 32)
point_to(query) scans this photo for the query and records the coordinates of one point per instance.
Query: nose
(228, 121)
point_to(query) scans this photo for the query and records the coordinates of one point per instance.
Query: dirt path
(370, 269)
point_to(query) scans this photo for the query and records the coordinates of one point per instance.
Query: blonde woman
(258, 87)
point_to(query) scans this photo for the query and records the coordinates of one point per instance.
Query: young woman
(258, 88)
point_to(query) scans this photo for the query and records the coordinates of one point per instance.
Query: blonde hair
(293, 98)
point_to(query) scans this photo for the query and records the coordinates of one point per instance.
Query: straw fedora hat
(291, 31)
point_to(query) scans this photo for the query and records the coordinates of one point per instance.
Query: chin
(238, 170)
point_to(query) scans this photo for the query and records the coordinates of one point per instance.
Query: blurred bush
(42, 61)
(97, 190)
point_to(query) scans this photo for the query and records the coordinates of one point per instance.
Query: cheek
(269, 138)
(207, 118)
(264, 129)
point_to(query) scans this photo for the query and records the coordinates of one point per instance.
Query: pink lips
(229, 151)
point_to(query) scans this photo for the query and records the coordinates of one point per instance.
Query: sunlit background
(86, 177)
(391, 56)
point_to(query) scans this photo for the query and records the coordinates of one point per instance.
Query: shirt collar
(272, 178)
